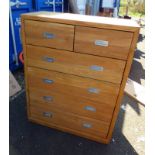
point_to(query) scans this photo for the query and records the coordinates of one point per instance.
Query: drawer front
(71, 104)
(68, 84)
(49, 34)
(85, 125)
(99, 68)
(103, 42)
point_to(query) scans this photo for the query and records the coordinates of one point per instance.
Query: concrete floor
(27, 138)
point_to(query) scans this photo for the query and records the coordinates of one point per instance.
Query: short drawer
(71, 103)
(67, 120)
(103, 42)
(84, 65)
(68, 84)
(47, 34)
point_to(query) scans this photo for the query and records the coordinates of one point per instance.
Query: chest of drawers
(76, 69)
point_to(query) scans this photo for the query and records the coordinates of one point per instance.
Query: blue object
(117, 3)
(59, 6)
(11, 50)
(110, 3)
(49, 5)
(18, 7)
(44, 5)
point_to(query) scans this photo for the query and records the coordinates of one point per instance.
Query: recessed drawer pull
(48, 81)
(87, 125)
(96, 68)
(101, 43)
(90, 108)
(48, 59)
(94, 90)
(48, 98)
(48, 35)
(47, 114)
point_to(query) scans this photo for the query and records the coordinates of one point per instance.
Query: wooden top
(84, 20)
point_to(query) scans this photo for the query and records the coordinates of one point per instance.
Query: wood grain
(99, 139)
(25, 65)
(69, 84)
(99, 128)
(125, 76)
(118, 42)
(72, 71)
(71, 103)
(77, 64)
(136, 91)
(84, 20)
(61, 34)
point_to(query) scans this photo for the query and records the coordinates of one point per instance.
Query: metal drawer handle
(96, 68)
(90, 108)
(48, 81)
(48, 59)
(48, 98)
(87, 125)
(48, 35)
(101, 43)
(94, 90)
(47, 114)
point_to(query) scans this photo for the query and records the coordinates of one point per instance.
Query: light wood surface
(25, 65)
(118, 42)
(77, 64)
(74, 70)
(98, 128)
(49, 34)
(136, 91)
(71, 103)
(125, 76)
(100, 138)
(14, 87)
(78, 86)
(81, 20)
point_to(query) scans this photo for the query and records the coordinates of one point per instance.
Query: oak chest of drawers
(76, 69)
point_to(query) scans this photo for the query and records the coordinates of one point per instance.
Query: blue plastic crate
(44, 5)
(59, 7)
(18, 7)
(49, 5)
(11, 50)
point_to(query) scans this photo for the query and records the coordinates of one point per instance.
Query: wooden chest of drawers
(76, 69)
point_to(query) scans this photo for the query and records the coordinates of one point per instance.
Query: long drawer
(69, 84)
(103, 42)
(49, 34)
(99, 68)
(57, 118)
(71, 103)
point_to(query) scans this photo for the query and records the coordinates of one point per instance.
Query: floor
(27, 138)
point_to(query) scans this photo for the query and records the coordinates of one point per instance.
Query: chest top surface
(84, 20)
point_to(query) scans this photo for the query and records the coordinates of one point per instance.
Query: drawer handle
(48, 81)
(87, 125)
(48, 98)
(101, 43)
(94, 90)
(48, 35)
(48, 59)
(47, 114)
(90, 108)
(96, 68)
